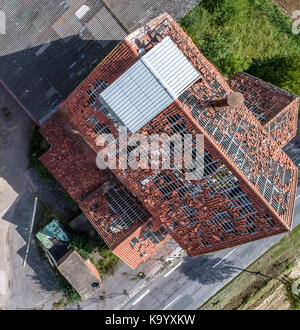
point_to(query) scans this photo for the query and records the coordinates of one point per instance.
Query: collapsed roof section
(250, 181)
(115, 213)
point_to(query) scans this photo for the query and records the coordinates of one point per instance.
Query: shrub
(283, 72)
(36, 149)
(293, 298)
(70, 294)
(85, 246)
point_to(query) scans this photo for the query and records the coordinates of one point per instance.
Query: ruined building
(157, 81)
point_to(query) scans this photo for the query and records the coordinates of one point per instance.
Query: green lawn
(248, 35)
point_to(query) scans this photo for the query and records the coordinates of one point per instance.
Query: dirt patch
(288, 6)
(273, 295)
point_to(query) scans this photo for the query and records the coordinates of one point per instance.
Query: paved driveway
(30, 286)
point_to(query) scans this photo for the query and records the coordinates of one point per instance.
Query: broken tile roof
(275, 108)
(73, 163)
(66, 157)
(257, 199)
(259, 159)
(263, 99)
(218, 217)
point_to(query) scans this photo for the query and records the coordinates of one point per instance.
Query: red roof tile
(261, 178)
(72, 163)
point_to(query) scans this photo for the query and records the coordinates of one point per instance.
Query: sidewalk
(127, 279)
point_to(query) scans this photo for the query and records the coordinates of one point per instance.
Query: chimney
(234, 100)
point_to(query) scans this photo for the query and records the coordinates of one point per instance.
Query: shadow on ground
(41, 79)
(206, 270)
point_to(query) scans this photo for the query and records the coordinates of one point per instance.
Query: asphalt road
(192, 281)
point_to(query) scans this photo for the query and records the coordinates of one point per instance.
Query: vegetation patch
(87, 246)
(247, 290)
(37, 147)
(70, 294)
(293, 298)
(247, 35)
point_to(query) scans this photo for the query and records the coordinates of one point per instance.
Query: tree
(280, 71)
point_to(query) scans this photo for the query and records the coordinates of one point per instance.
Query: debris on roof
(248, 188)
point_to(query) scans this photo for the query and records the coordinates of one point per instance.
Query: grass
(246, 35)
(245, 287)
(71, 296)
(293, 299)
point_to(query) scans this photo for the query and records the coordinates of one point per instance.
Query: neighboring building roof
(53, 231)
(54, 239)
(82, 224)
(82, 275)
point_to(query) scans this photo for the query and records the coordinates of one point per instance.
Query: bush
(85, 246)
(70, 294)
(283, 72)
(109, 263)
(293, 298)
(36, 149)
(236, 34)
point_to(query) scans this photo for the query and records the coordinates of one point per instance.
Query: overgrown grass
(85, 246)
(250, 35)
(70, 294)
(245, 287)
(293, 298)
(37, 147)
